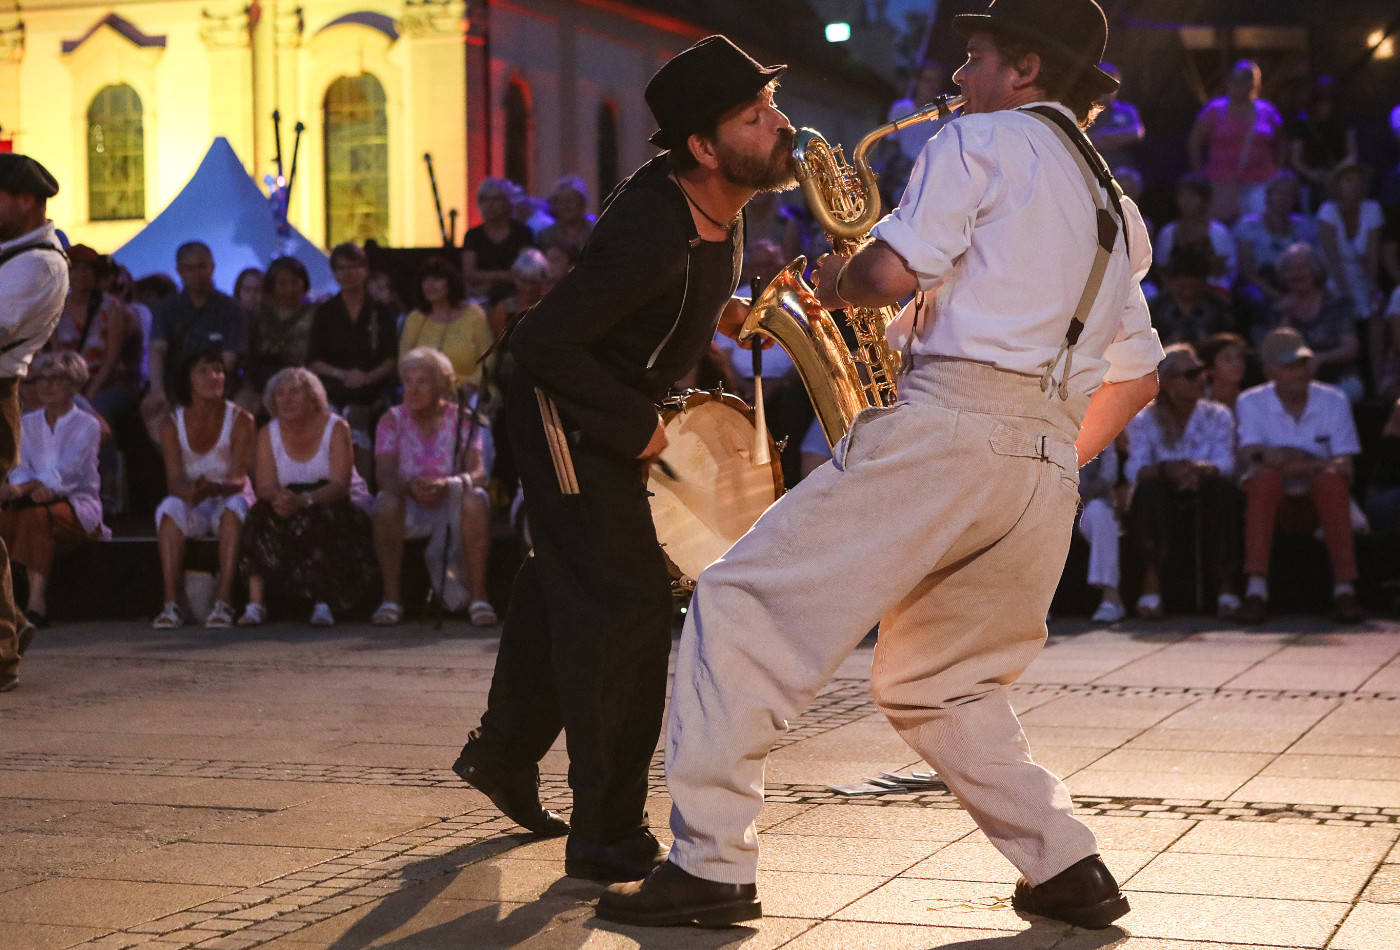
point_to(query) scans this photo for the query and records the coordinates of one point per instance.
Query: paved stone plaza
(289, 788)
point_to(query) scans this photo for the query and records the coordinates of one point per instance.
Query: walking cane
(437, 199)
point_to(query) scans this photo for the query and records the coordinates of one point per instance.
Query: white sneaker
(321, 616)
(169, 618)
(1109, 612)
(253, 615)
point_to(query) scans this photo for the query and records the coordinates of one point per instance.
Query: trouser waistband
(977, 387)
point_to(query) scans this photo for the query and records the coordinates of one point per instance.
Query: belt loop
(1043, 456)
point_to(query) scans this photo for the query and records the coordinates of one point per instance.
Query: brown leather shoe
(515, 793)
(1255, 609)
(1084, 894)
(1345, 609)
(670, 897)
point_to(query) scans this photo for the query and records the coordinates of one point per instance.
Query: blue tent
(224, 208)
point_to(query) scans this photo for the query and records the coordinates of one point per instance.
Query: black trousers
(1157, 507)
(9, 458)
(588, 633)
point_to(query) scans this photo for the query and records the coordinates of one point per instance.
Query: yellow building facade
(122, 100)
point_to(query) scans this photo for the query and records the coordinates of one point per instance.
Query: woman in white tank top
(309, 532)
(206, 443)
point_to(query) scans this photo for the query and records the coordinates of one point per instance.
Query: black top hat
(1074, 32)
(703, 82)
(21, 175)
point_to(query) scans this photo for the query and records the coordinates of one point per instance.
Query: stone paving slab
(289, 789)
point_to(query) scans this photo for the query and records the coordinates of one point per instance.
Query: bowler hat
(1072, 32)
(21, 175)
(701, 83)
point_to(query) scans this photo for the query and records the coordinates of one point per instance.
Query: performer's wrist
(837, 286)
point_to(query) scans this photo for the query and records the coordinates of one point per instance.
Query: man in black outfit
(588, 633)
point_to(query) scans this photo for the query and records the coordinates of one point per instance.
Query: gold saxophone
(845, 202)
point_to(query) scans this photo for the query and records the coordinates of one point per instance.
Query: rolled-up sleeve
(1136, 350)
(951, 182)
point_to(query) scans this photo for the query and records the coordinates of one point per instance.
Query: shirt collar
(42, 232)
(1058, 106)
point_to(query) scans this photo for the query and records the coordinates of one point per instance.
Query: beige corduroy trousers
(946, 519)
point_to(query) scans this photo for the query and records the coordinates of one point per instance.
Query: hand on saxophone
(731, 322)
(824, 281)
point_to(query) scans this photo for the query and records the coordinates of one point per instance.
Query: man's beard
(771, 172)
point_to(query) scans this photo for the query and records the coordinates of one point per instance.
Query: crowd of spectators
(311, 438)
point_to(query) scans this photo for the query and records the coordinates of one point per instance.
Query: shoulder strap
(10, 253)
(1096, 173)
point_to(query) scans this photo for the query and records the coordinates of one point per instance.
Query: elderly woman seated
(207, 442)
(309, 532)
(429, 462)
(51, 503)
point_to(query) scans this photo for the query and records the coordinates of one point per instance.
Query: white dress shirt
(64, 460)
(999, 227)
(1324, 430)
(33, 286)
(1209, 437)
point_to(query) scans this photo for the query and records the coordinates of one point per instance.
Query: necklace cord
(696, 205)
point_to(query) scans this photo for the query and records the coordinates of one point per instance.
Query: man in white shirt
(1297, 439)
(946, 518)
(33, 284)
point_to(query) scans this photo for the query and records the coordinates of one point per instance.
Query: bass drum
(714, 492)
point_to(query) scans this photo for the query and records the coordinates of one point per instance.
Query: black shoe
(8, 682)
(1084, 894)
(1346, 609)
(37, 619)
(26, 636)
(670, 897)
(1255, 610)
(516, 794)
(628, 859)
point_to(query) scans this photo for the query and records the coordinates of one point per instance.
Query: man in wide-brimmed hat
(588, 634)
(945, 518)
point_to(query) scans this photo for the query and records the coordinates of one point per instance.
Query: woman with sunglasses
(1182, 450)
(51, 503)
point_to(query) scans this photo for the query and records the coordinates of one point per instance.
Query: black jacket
(634, 315)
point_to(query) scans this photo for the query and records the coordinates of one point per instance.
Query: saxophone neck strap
(1109, 223)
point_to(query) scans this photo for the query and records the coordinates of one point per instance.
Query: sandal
(253, 615)
(388, 614)
(220, 616)
(482, 614)
(169, 618)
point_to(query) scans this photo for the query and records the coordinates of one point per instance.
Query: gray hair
(295, 376)
(572, 183)
(498, 185)
(531, 264)
(435, 361)
(65, 363)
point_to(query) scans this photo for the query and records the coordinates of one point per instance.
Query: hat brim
(966, 24)
(676, 136)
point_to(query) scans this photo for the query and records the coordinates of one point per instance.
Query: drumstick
(558, 447)
(760, 423)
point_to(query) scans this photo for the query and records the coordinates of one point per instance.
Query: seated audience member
(568, 205)
(1260, 239)
(1297, 440)
(1325, 319)
(1118, 129)
(137, 348)
(444, 321)
(1194, 228)
(380, 287)
(198, 318)
(51, 503)
(309, 532)
(279, 330)
(1383, 487)
(1098, 525)
(1188, 309)
(248, 290)
(1349, 230)
(353, 348)
(532, 279)
(1389, 378)
(424, 491)
(207, 443)
(1225, 357)
(1183, 446)
(492, 246)
(95, 325)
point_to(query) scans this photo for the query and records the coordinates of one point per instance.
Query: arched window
(116, 155)
(357, 161)
(517, 106)
(607, 149)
